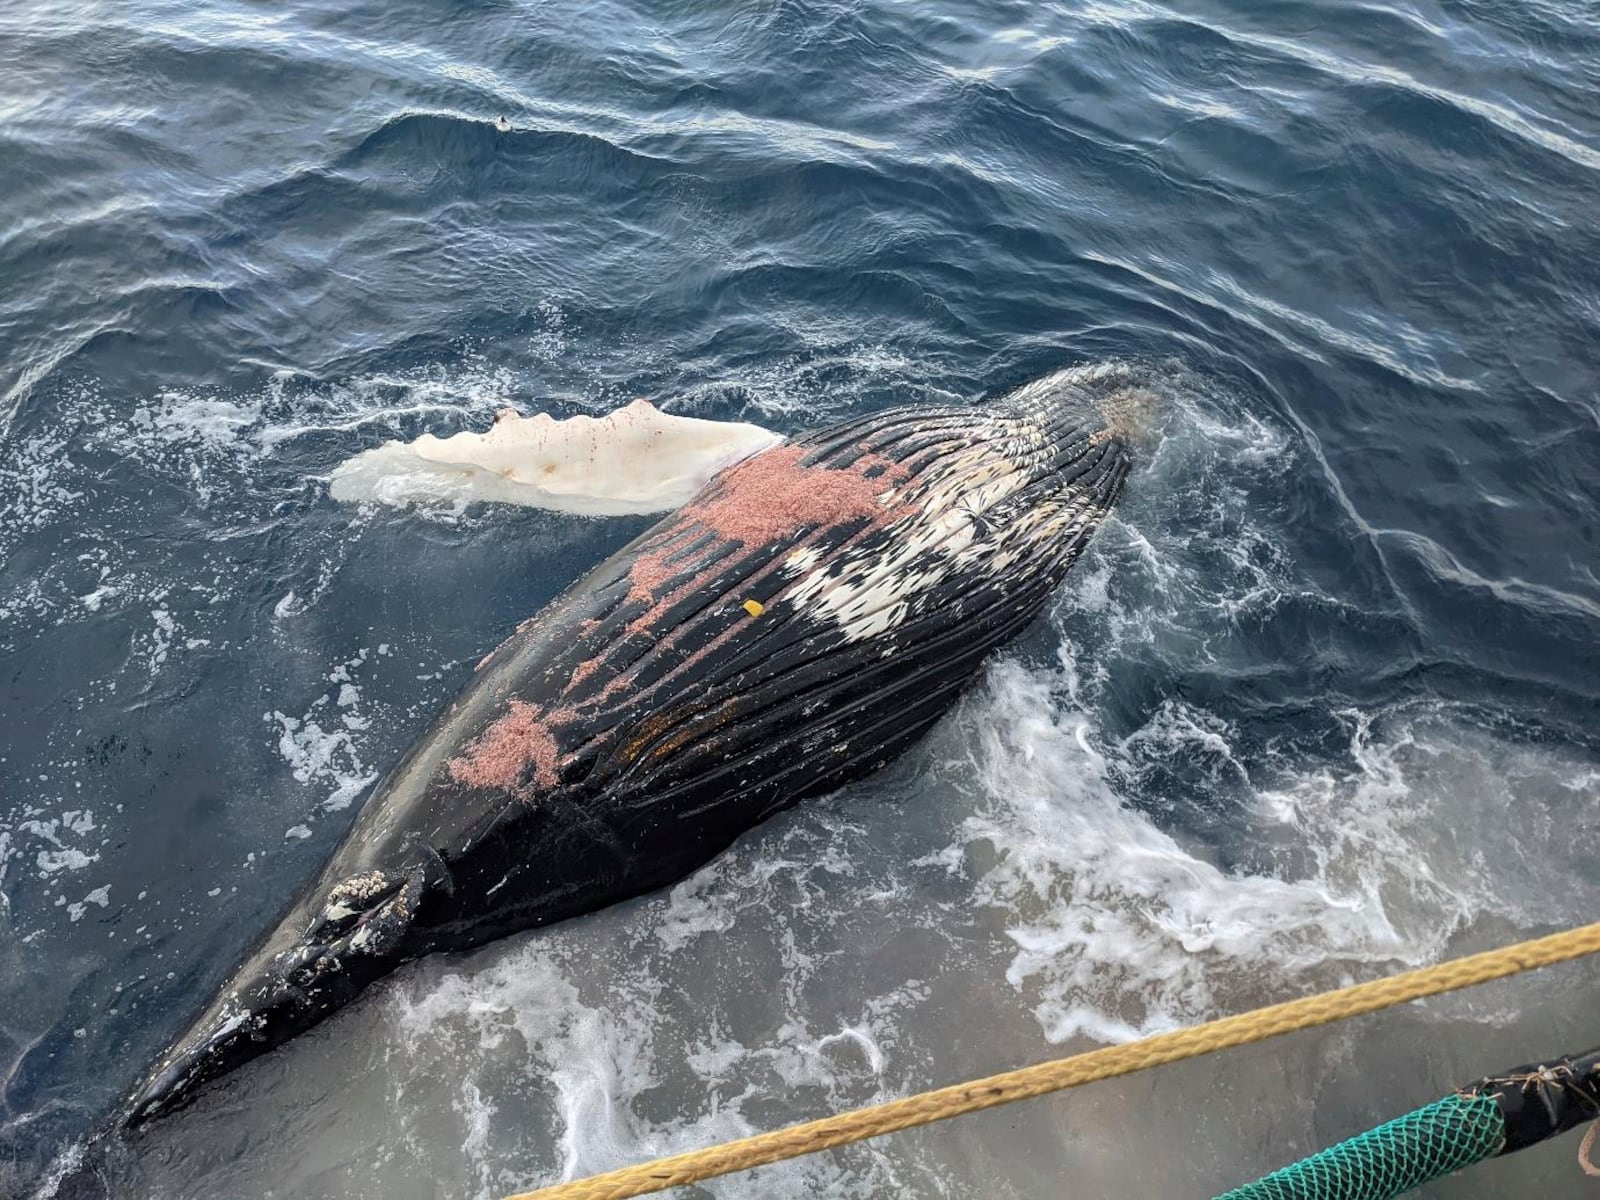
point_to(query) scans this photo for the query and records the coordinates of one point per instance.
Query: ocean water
(1320, 704)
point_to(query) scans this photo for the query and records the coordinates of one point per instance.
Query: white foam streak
(1334, 865)
(1119, 929)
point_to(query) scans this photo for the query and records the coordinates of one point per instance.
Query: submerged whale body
(804, 618)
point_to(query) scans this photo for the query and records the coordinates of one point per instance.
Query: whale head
(1113, 401)
(335, 942)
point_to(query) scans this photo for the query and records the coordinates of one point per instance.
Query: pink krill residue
(764, 498)
(590, 665)
(767, 497)
(773, 494)
(648, 573)
(502, 755)
(585, 669)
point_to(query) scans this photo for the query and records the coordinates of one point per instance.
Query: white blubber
(637, 459)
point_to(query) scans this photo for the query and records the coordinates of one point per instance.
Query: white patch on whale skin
(953, 528)
(634, 460)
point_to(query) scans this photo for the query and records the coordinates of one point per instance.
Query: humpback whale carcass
(804, 617)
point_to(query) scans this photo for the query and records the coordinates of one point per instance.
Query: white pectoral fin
(637, 459)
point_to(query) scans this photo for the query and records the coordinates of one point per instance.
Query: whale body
(811, 612)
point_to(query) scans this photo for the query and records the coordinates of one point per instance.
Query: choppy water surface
(1320, 703)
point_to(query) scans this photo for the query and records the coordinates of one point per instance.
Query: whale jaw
(311, 966)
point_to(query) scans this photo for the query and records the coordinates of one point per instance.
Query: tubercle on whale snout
(807, 616)
(357, 936)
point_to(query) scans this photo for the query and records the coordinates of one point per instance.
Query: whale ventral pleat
(648, 573)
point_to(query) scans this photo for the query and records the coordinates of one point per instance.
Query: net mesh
(1393, 1158)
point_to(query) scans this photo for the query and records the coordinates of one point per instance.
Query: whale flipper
(637, 459)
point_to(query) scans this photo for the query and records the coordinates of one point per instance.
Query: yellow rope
(1105, 1063)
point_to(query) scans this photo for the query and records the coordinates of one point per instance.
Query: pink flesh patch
(764, 498)
(772, 494)
(648, 573)
(583, 670)
(760, 500)
(506, 750)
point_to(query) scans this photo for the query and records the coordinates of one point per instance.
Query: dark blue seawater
(1320, 704)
